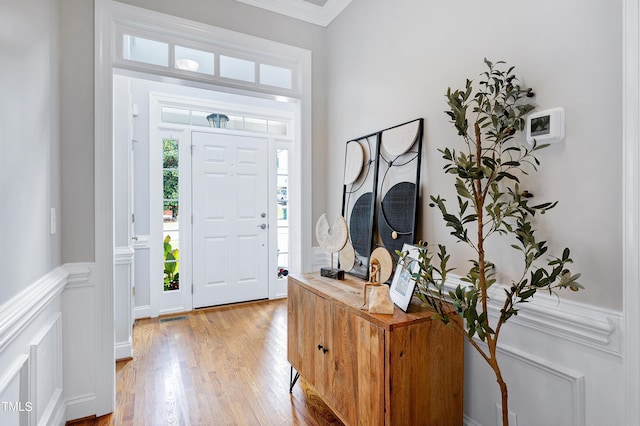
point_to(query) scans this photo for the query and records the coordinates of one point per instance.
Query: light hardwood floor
(219, 366)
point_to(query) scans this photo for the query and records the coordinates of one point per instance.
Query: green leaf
(462, 189)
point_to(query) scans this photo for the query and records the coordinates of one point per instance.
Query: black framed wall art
(380, 194)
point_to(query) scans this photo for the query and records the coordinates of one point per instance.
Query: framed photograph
(402, 286)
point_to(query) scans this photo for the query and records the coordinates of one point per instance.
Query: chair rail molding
(587, 325)
(19, 312)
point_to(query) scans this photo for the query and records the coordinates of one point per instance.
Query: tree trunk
(505, 399)
(493, 362)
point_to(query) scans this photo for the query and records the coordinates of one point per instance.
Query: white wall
(388, 65)
(77, 130)
(30, 141)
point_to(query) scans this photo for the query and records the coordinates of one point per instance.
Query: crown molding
(303, 10)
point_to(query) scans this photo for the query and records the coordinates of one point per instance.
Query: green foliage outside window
(170, 181)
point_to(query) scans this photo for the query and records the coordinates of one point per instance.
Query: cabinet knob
(323, 349)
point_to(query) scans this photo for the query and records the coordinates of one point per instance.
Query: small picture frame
(403, 286)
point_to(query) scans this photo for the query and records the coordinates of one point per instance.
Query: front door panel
(230, 235)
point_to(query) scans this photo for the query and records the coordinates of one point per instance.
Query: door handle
(262, 226)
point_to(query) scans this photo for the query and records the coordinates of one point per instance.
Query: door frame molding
(108, 14)
(158, 298)
(631, 207)
(157, 100)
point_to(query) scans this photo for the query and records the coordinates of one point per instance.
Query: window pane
(199, 118)
(282, 193)
(171, 231)
(275, 76)
(277, 127)
(144, 50)
(237, 69)
(282, 162)
(169, 154)
(171, 261)
(283, 240)
(175, 115)
(283, 260)
(235, 122)
(194, 60)
(255, 125)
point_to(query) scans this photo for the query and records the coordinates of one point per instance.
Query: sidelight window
(282, 191)
(170, 213)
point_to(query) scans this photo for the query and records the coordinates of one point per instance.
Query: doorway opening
(222, 195)
(280, 72)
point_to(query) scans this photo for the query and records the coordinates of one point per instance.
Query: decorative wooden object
(374, 280)
(372, 369)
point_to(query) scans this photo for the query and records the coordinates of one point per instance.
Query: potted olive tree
(491, 203)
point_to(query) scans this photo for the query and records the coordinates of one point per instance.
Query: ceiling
(319, 12)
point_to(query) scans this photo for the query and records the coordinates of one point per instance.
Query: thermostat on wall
(546, 126)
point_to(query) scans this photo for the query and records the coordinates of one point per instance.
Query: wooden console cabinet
(372, 369)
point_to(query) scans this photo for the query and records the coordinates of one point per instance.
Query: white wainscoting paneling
(123, 275)
(547, 354)
(31, 342)
(15, 407)
(79, 319)
(142, 284)
(45, 367)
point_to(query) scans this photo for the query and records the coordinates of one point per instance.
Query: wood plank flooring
(219, 366)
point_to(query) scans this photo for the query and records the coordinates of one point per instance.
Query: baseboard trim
(79, 406)
(142, 312)
(124, 350)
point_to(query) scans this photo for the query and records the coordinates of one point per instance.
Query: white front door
(230, 218)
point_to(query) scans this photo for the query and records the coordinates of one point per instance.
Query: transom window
(221, 120)
(203, 60)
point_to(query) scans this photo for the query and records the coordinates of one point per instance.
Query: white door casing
(230, 218)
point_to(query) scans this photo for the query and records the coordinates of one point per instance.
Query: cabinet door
(306, 346)
(356, 374)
